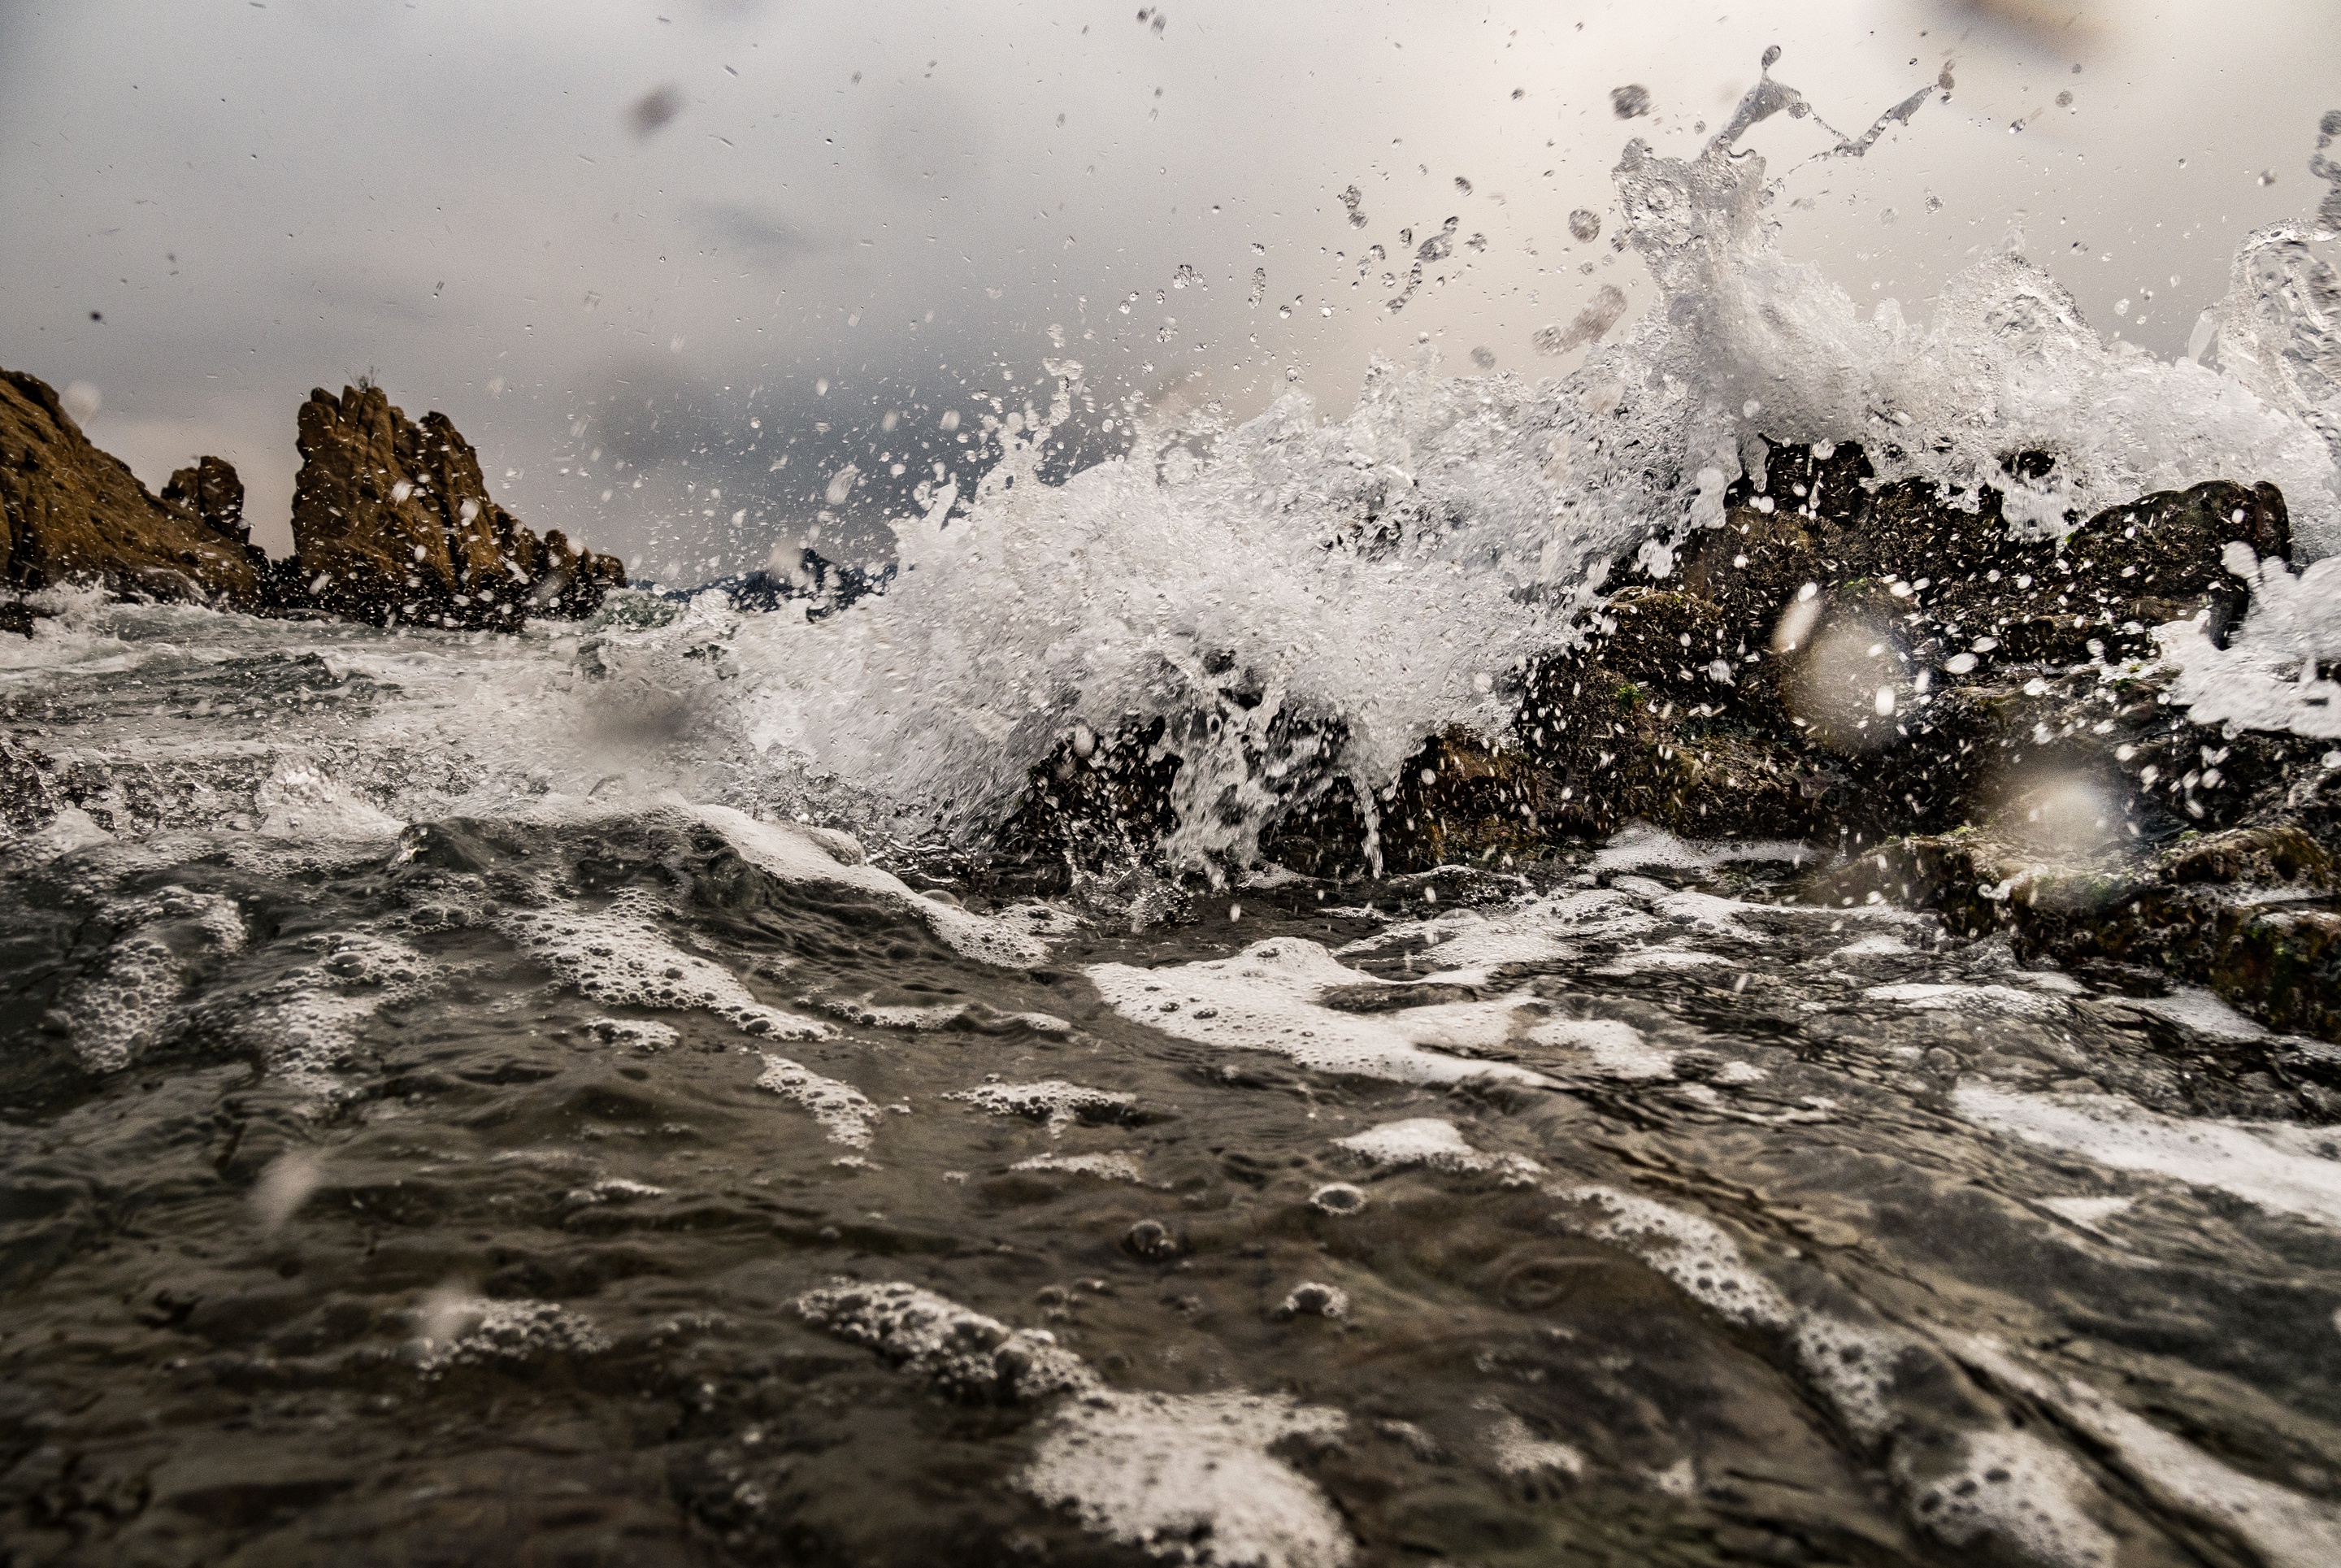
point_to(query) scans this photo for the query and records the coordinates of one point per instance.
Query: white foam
(1264, 999)
(136, 992)
(793, 854)
(460, 1330)
(302, 800)
(2087, 1212)
(2285, 1529)
(309, 1023)
(1427, 1141)
(1469, 945)
(1313, 1298)
(1104, 1167)
(952, 1346)
(1052, 1100)
(844, 1112)
(2277, 671)
(2281, 1167)
(1517, 1452)
(1639, 846)
(1706, 911)
(1636, 960)
(1695, 1253)
(642, 1032)
(2010, 1483)
(1616, 1048)
(621, 957)
(1992, 1000)
(71, 829)
(1188, 1477)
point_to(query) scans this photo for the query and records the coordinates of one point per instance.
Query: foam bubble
(954, 1347)
(135, 993)
(462, 1330)
(1104, 1167)
(2011, 1485)
(1264, 999)
(308, 1025)
(2197, 1010)
(1192, 1478)
(619, 957)
(797, 854)
(1189, 1477)
(1429, 1142)
(1516, 1451)
(844, 1112)
(1640, 846)
(2285, 1529)
(1052, 1100)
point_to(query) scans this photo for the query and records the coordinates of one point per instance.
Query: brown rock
(75, 513)
(215, 494)
(392, 521)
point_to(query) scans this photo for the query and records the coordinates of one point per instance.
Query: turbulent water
(462, 1099)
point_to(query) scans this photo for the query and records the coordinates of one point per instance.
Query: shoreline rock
(1961, 717)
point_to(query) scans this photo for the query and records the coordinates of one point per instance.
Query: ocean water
(469, 1098)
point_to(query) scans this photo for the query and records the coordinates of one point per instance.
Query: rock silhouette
(75, 513)
(392, 522)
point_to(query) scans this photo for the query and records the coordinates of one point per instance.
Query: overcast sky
(696, 237)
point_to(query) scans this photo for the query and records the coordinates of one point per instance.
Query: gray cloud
(863, 212)
(759, 232)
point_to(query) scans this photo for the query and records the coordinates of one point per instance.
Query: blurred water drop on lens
(284, 1186)
(1846, 678)
(83, 402)
(653, 109)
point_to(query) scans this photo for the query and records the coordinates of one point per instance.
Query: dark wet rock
(2250, 914)
(392, 521)
(75, 513)
(17, 616)
(1965, 715)
(1095, 800)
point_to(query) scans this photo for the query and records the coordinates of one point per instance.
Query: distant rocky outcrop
(392, 522)
(75, 513)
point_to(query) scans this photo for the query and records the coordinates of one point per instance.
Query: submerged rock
(392, 520)
(75, 513)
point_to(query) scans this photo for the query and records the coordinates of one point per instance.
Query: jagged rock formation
(75, 513)
(1835, 662)
(1943, 707)
(392, 521)
(211, 490)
